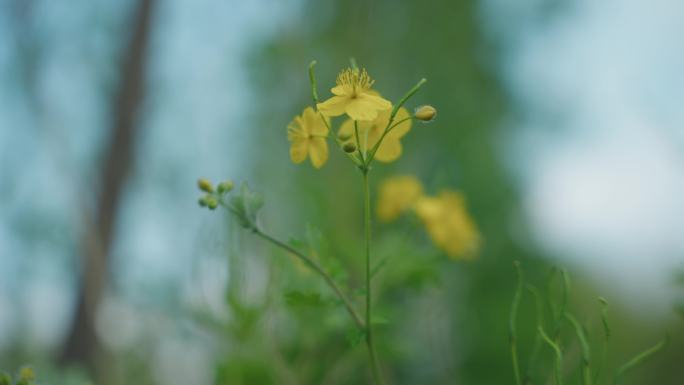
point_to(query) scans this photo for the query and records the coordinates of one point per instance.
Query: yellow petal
(347, 129)
(315, 122)
(402, 128)
(357, 109)
(389, 150)
(366, 106)
(342, 90)
(449, 225)
(318, 151)
(334, 106)
(298, 150)
(396, 195)
(375, 101)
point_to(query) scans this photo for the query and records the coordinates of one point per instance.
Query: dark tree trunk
(81, 345)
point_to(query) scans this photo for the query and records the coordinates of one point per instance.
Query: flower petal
(375, 101)
(315, 122)
(389, 150)
(357, 109)
(334, 106)
(346, 129)
(342, 90)
(298, 150)
(318, 151)
(366, 106)
(402, 128)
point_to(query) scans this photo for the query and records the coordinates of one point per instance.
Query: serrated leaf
(245, 205)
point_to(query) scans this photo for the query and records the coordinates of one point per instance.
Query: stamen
(355, 79)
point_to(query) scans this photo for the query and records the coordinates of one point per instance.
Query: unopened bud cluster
(213, 196)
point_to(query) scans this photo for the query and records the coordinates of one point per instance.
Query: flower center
(357, 80)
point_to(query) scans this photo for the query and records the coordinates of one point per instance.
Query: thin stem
(375, 366)
(586, 350)
(317, 268)
(384, 133)
(538, 339)
(312, 80)
(606, 333)
(396, 108)
(559, 356)
(641, 357)
(512, 324)
(564, 304)
(358, 142)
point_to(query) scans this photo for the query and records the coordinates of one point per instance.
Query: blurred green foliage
(447, 322)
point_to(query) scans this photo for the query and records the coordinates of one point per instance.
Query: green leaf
(245, 205)
(302, 299)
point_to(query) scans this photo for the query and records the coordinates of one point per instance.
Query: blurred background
(560, 120)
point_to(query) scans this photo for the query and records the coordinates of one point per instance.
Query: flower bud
(349, 147)
(212, 202)
(203, 201)
(225, 186)
(205, 185)
(344, 136)
(425, 113)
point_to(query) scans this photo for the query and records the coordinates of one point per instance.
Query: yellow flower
(449, 224)
(370, 132)
(307, 134)
(397, 195)
(354, 96)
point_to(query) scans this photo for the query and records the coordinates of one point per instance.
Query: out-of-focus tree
(82, 345)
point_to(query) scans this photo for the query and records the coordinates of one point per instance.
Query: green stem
(559, 356)
(606, 332)
(564, 304)
(375, 366)
(396, 108)
(512, 324)
(358, 142)
(586, 350)
(531, 366)
(641, 357)
(317, 268)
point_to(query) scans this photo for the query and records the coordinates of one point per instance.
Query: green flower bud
(349, 147)
(225, 186)
(212, 202)
(425, 113)
(203, 201)
(205, 185)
